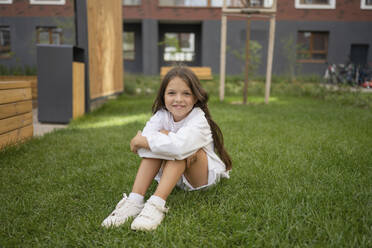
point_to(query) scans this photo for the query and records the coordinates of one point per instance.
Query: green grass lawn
(302, 177)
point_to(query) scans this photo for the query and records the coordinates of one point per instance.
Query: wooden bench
(15, 112)
(203, 73)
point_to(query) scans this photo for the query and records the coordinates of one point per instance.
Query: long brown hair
(201, 95)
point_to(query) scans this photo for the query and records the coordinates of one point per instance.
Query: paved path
(40, 128)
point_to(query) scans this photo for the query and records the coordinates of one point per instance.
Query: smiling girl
(178, 148)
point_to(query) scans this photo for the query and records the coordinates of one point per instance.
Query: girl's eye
(187, 93)
(171, 93)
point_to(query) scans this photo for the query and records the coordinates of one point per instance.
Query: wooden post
(270, 54)
(247, 59)
(223, 53)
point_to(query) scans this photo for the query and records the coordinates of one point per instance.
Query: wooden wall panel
(15, 95)
(105, 29)
(16, 136)
(78, 90)
(15, 112)
(15, 122)
(15, 108)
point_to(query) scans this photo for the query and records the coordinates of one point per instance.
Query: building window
(315, 4)
(214, 3)
(129, 52)
(5, 42)
(131, 2)
(184, 3)
(49, 35)
(312, 46)
(51, 2)
(179, 47)
(238, 3)
(6, 1)
(366, 4)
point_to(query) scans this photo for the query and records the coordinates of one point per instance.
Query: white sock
(136, 197)
(157, 200)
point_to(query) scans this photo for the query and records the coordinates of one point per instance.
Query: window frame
(6, 1)
(57, 2)
(179, 43)
(208, 4)
(50, 34)
(331, 5)
(9, 54)
(134, 46)
(363, 5)
(311, 51)
(134, 5)
(185, 6)
(236, 4)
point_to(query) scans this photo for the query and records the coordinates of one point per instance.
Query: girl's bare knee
(194, 158)
(197, 170)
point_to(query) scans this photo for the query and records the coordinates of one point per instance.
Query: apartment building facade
(309, 33)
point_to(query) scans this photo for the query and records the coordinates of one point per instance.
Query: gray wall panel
(341, 36)
(23, 36)
(134, 66)
(236, 33)
(150, 47)
(210, 45)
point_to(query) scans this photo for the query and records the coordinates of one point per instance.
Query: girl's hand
(164, 131)
(138, 142)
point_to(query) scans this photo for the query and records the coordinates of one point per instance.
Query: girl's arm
(138, 142)
(155, 124)
(184, 143)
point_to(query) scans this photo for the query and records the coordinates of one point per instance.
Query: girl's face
(179, 99)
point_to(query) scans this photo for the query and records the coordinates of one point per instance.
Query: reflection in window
(186, 3)
(131, 2)
(51, 2)
(312, 46)
(314, 1)
(49, 35)
(4, 41)
(316, 4)
(366, 4)
(238, 3)
(6, 1)
(129, 46)
(179, 47)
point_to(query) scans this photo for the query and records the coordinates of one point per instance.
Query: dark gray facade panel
(341, 36)
(150, 47)
(134, 66)
(235, 40)
(81, 24)
(23, 37)
(210, 42)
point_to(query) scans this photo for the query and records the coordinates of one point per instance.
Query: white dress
(184, 139)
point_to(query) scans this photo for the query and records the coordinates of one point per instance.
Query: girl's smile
(179, 99)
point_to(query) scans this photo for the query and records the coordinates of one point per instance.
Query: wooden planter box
(15, 112)
(32, 79)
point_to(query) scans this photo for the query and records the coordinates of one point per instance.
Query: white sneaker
(150, 217)
(125, 209)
